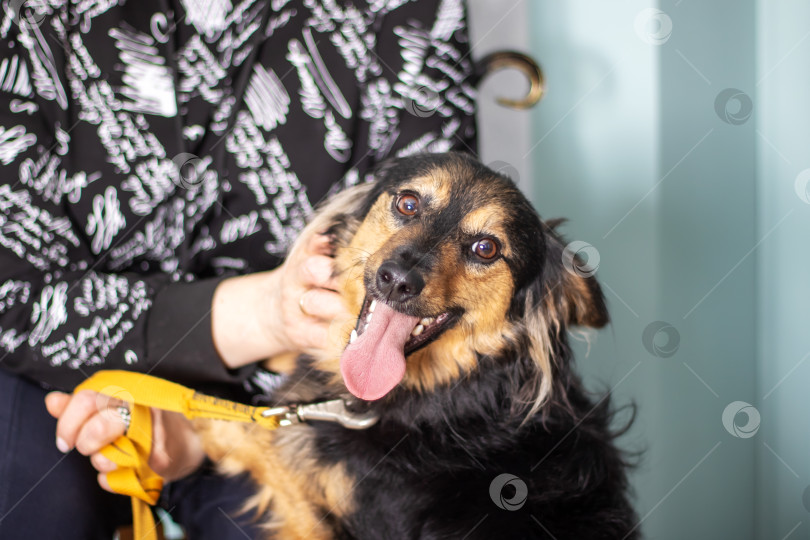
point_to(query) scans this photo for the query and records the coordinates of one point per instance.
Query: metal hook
(325, 411)
(523, 63)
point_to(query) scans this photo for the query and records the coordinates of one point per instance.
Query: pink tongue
(375, 363)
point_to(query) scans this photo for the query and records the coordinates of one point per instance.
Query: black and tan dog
(460, 346)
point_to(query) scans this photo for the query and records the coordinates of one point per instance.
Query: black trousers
(47, 494)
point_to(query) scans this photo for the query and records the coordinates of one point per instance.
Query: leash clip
(286, 416)
(326, 411)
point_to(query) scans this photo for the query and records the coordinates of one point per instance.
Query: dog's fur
(494, 393)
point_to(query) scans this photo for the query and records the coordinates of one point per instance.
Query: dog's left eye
(407, 204)
(486, 248)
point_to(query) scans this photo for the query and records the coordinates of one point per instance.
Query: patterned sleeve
(63, 313)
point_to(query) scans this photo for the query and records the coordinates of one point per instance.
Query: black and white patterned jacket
(148, 148)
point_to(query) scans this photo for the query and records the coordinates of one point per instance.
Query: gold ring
(301, 305)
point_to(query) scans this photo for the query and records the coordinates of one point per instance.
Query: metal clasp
(326, 411)
(336, 411)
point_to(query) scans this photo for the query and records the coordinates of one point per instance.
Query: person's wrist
(240, 325)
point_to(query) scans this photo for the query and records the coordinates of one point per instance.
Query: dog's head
(446, 262)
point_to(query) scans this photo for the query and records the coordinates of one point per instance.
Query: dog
(460, 349)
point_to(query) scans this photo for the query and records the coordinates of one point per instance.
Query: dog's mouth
(426, 329)
(373, 363)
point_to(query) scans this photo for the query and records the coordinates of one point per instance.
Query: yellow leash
(131, 451)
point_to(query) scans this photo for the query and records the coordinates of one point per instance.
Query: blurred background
(675, 137)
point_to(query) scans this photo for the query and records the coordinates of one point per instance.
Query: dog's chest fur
(425, 471)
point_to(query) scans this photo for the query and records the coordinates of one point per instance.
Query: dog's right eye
(407, 204)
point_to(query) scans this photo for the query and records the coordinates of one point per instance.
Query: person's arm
(59, 327)
(252, 320)
(60, 331)
(290, 309)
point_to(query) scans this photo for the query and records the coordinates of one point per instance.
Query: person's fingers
(316, 271)
(159, 459)
(102, 481)
(176, 448)
(98, 431)
(80, 408)
(316, 335)
(321, 244)
(323, 304)
(101, 463)
(55, 403)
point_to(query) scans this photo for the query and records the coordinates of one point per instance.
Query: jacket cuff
(179, 341)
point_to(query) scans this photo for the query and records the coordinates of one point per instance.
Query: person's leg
(44, 493)
(208, 506)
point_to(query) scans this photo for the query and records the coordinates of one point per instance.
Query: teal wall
(783, 268)
(688, 192)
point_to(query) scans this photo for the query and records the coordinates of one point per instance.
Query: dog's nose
(398, 283)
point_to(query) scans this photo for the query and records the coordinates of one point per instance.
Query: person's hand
(88, 421)
(287, 310)
(305, 298)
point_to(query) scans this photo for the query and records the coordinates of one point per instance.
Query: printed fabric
(150, 148)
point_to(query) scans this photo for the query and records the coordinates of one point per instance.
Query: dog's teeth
(368, 319)
(372, 306)
(426, 321)
(365, 327)
(353, 336)
(418, 330)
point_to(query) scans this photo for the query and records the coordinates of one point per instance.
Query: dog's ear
(561, 288)
(561, 293)
(583, 298)
(570, 281)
